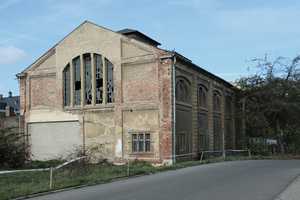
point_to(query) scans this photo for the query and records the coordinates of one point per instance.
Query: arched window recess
(183, 87)
(88, 80)
(228, 105)
(216, 101)
(202, 96)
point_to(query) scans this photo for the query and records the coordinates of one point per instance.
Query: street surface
(238, 180)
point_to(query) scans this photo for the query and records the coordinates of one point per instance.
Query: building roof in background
(13, 101)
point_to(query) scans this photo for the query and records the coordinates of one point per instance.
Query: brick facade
(142, 89)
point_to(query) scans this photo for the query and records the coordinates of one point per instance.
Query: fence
(121, 158)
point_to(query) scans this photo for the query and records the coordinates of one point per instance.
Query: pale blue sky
(217, 35)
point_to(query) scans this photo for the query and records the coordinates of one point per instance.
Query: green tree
(272, 96)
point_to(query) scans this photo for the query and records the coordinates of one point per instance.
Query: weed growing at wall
(81, 167)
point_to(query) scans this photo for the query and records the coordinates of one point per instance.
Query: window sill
(183, 104)
(141, 153)
(87, 107)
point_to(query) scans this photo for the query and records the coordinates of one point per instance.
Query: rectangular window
(147, 145)
(182, 141)
(141, 143)
(134, 143)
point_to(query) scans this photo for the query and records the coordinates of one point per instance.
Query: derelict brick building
(97, 85)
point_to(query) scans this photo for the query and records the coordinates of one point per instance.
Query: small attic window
(16, 102)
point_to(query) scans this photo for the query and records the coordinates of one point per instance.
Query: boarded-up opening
(202, 130)
(183, 133)
(217, 131)
(53, 139)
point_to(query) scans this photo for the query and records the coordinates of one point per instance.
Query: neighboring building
(13, 101)
(97, 85)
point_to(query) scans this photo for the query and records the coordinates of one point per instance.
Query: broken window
(141, 143)
(67, 86)
(99, 78)
(88, 79)
(77, 78)
(110, 81)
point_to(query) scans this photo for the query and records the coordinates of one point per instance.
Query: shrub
(255, 147)
(13, 148)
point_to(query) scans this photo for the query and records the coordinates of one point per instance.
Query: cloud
(262, 20)
(11, 56)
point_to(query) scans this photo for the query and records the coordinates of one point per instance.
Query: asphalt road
(239, 180)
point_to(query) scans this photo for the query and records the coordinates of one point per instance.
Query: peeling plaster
(119, 148)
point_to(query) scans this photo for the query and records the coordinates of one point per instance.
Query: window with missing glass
(88, 80)
(141, 143)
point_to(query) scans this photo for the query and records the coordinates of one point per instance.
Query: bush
(13, 148)
(255, 147)
(295, 145)
(81, 167)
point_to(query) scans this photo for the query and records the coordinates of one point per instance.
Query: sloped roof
(135, 34)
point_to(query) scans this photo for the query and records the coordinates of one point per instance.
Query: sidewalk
(292, 192)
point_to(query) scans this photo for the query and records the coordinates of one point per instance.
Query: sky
(220, 36)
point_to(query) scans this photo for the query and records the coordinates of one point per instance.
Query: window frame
(228, 106)
(217, 107)
(202, 100)
(77, 93)
(137, 143)
(182, 138)
(183, 90)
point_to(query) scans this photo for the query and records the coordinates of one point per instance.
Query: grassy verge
(75, 174)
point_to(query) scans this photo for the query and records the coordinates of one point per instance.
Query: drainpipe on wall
(174, 107)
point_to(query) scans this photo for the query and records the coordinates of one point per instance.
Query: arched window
(202, 97)
(97, 81)
(228, 106)
(216, 102)
(182, 91)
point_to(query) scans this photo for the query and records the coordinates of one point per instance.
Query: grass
(20, 184)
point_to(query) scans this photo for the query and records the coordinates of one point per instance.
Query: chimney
(1, 96)
(9, 111)
(9, 94)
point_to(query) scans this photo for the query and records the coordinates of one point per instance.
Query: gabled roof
(135, 34)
